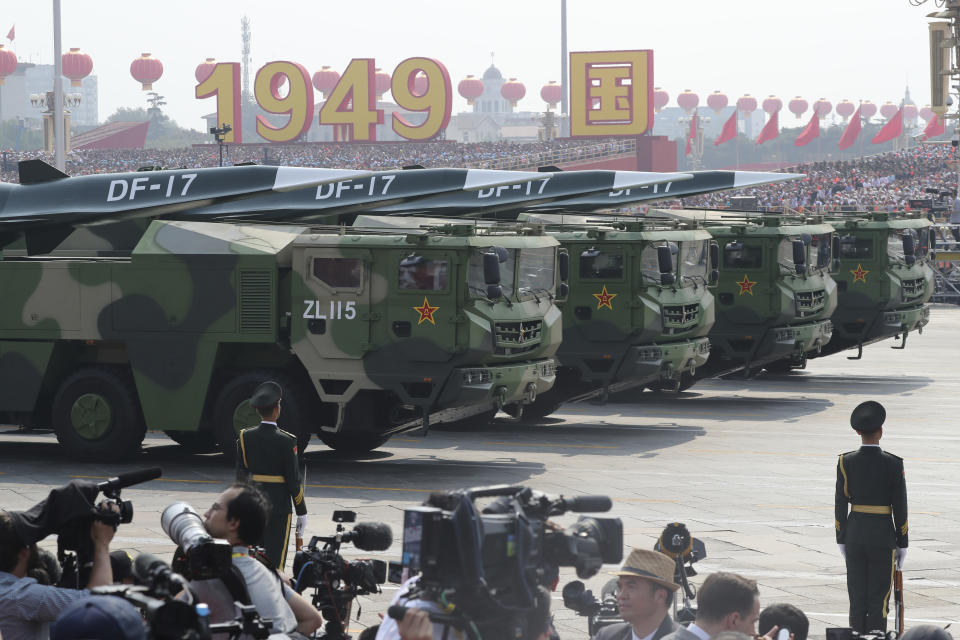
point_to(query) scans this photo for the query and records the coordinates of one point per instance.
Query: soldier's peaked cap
(266, 395)
(868, 416)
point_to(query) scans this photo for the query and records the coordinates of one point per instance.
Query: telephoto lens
(200, 556)
(184, 525)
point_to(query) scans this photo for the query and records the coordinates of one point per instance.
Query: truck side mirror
(800, 256)
(665, 264)
(714, 255)
(563, 264)
(909, 249)
(502, 254)
(491, 269)
(933, 243)
(563, 290)
(494, 291)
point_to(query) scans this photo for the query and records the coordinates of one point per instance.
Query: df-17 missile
(701, 182)
(48, 204)
(549, 186)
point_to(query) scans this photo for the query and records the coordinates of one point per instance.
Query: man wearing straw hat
(645, 594)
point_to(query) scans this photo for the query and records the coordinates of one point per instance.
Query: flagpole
(57, 90)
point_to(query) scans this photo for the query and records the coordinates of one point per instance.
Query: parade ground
(749, 465)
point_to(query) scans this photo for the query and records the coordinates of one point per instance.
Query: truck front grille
(517, 337)
(810, 301)
(912, 288)
(680, 316)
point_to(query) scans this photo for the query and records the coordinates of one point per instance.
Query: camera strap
(233, 581)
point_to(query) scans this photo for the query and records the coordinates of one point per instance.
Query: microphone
(129, 479)
(581, 504)
(370, 536)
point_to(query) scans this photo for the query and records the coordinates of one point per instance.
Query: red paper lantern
(888, 109)
(325, 80)
(76, 65)
(381, 82)
(688, 100)
(868, 109)
(717, 101)
(551, 93)
(772, 104)
(822, 107)
(910, 111)
(146, 70)
(470, 88)
(927, 113)
(747, 103)
(798, 106)
(8, 63)
(845, 108)
(513, 91)
(276, 83)
(660, 99)
(420, 84)
(204, 69)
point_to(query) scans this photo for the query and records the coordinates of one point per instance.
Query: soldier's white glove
(843, 550)
(301, 525)
(900, 557)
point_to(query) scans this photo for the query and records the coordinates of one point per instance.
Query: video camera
(68, 512)
(599, 613)
(198, 555)
(676, 542)
(335, 581)
(490, 564)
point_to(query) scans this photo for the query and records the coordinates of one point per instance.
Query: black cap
(868, 417)
(927, 632)
(99, 618)
(266, 396)
(122, 565)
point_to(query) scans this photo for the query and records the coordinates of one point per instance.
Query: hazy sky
(854, 49)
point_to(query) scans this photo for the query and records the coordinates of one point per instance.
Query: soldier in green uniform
(872, 482)
(267, 455)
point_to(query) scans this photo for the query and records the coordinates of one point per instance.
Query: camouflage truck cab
(885, 279)
(638, 309)
(775, 294)
(368, 333)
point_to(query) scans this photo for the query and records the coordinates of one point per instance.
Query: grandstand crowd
(885, 181)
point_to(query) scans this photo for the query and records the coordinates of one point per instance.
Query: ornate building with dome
(490, 101)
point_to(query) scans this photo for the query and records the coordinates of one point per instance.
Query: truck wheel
(686, 381)
(354, 442)
(96, 415)
(202, 441)
(368, 416)
(232, 411)
(779, 366)
(543, 406)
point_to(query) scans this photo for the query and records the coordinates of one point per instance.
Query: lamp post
(47, 102)
(219, 133)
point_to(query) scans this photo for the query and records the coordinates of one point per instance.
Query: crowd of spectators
(884, 182)
(385, 156)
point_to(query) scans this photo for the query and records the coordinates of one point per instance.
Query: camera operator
(239, 515)
(784, 616)
(725, 602)
(645, 594)
(26, 607)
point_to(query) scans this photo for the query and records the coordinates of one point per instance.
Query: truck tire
(232, 411)
(779, 366)
(368, 416)
(96, 415)
(543, 406)
(201, 441)
(354, 442)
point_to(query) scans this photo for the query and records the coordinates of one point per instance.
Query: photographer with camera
(725, 602)
(27, 607)
(645, 592)
(239, 516)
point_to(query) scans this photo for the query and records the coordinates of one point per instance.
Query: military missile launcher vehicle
(884, 280)
(171, 324)
(775, 294)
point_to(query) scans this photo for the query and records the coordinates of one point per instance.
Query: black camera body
(599, 613)
(491, 563)
(336, 581)
(846, 633)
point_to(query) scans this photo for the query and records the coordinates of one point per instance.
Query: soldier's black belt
(261, 477)
(859, 508)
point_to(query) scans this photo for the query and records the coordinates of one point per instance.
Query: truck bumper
(905, 320)
(664, 361)
(498, 385)
(797, 340)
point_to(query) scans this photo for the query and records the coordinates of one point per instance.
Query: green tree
(14, 135)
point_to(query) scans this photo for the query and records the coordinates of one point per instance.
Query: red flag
(11, 34)
(729, 131)
(891, 130)
(811, 131)
(770, 130)
(934, 128)
(852, 131)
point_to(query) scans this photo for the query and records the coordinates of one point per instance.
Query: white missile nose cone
(751, 178)
(633, 179)
(291, 178)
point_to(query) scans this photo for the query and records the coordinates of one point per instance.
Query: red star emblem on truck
(426, 312)
(859, 274)
(746, 285)
(605, 299)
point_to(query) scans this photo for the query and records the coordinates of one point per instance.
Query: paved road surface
(748, 465)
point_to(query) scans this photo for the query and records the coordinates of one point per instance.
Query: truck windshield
(820, 250)
(535, 270)
(694, 255)
(421, 273)
(650, 265)
(601, 265)
(853, 247)
(475, 281)
(895, 243)
(785, 255)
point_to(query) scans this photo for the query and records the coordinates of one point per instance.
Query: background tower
(245, 50)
